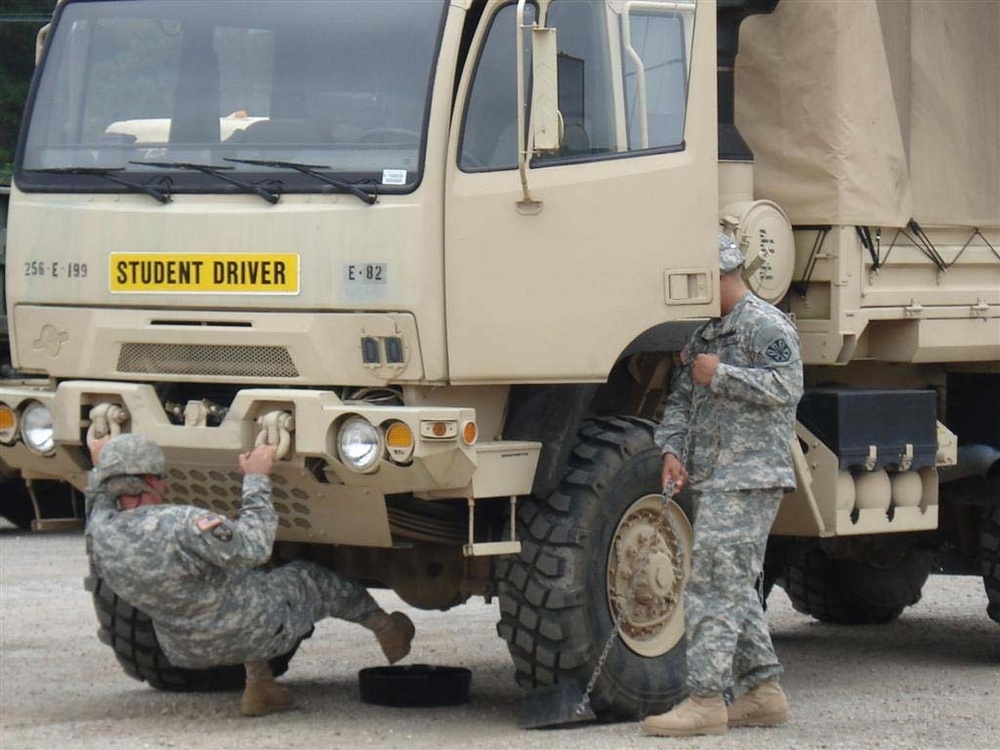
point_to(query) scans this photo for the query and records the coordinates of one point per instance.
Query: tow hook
(106, 419)
(276, 428)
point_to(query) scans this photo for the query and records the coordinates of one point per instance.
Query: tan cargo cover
(872, 112)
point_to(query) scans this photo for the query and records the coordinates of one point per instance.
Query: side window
(489, 134)
(586, 102)
(655, 63)
(651, 83)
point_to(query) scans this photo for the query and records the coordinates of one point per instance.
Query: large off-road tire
(849, 592)
(129, 632)
(989, 558)
(577, 548)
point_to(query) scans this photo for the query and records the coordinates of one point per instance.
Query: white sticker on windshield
(393, 176)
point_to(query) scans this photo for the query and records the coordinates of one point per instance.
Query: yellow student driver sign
(212, 273)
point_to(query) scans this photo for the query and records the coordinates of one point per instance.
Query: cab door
(622, 236)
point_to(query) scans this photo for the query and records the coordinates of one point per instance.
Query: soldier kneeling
(197, 574)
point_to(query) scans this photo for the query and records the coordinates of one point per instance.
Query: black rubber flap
(415, 685)
(554, 706)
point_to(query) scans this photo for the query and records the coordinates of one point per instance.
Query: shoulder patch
(779, 350)
(216, 524)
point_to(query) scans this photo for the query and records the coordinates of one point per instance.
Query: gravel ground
(929, 680)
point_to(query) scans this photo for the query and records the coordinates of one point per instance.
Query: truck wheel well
(637, 386)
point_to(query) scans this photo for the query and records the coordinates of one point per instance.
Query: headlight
(36, 428)
(359, 444)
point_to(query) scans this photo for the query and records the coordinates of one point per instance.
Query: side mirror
(40, 39)
(546, 123)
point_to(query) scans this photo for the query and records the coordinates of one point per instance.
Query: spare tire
(129, 632)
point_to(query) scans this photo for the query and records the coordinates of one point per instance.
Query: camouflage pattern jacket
(189, 569)
(737, 431)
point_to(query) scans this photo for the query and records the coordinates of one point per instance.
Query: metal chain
(668, 491)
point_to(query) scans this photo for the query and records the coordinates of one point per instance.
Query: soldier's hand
(674, 471)
(95, 445)
(703, 368)
(259, 460)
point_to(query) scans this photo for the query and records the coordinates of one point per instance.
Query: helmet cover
(130, 454)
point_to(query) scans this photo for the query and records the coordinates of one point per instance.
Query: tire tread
(129, 632)
(542, 595)
(989, 558)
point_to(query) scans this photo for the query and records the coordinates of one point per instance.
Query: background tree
(20, 21)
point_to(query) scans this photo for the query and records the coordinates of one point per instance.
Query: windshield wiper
(310, 169)
(272, 196)
(160, 193)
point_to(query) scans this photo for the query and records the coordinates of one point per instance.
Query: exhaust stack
(729, 16)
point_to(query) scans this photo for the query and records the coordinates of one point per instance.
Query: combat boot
(394, 633)
(763, 705)
(699, 714)
(261, 694)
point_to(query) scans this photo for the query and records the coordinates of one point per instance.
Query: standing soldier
(729, 421)
(197, 575)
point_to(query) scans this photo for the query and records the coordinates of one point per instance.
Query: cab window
(655, 61)
(622, 81)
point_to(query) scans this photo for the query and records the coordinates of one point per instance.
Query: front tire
(581, 556)
(129, 632)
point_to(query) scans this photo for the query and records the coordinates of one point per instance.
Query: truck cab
(444, 255)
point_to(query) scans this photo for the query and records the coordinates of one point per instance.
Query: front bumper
(318, 497)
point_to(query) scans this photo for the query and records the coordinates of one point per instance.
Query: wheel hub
(646, 570)
(662, 576)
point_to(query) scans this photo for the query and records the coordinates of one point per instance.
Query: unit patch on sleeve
(215, 524)
(779, 351)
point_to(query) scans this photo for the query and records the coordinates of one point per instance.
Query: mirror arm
(522, 145)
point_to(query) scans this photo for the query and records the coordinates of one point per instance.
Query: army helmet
(130, 454)
(730, 257)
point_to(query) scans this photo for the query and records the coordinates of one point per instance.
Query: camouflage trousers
(724, 618)
(313, 593)
(267, 613)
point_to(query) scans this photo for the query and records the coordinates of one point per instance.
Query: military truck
(444, 255)
(41, 503)
(22, 502)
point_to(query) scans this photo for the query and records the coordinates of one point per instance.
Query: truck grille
(221, 492)
(197, 359)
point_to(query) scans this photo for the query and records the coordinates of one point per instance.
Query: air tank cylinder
(873, 490)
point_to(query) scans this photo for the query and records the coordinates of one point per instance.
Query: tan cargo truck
(18, 31)
(443, 254)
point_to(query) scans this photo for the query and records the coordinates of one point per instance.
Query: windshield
(275, 90)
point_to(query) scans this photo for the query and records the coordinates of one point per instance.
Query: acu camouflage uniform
(737, 432)
(195, 573)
